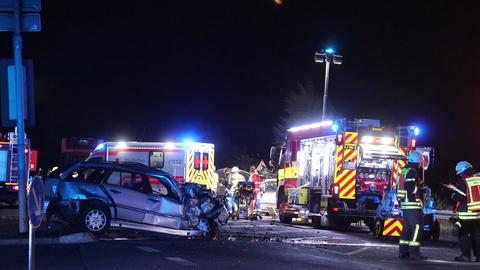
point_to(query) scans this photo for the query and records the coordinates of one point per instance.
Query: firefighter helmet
(235, 169)
(462, 166)
(415, 157)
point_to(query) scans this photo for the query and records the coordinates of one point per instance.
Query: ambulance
(187, 162)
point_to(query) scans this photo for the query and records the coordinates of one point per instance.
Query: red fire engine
(9, 167)
(76, 149)
(335, 173)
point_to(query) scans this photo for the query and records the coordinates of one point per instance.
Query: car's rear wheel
(96, 219)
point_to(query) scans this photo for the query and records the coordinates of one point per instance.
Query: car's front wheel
(209, 229)
(96, 219)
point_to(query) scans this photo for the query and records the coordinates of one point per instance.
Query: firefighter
(409, 194)
(467, 223)
(236, 178)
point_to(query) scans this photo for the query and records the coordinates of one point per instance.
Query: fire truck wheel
(96, 219)
(317, 223)
(378, 229)
(284, 219)
(370, 222)
(436, 230)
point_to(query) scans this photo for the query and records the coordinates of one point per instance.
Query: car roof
(130, 166)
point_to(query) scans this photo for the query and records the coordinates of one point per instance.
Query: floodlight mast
(327, 56)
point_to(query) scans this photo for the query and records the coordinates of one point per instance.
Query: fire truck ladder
(13, 162)
(402, 133)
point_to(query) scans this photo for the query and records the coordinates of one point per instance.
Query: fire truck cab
(335, 173)
(187, 162)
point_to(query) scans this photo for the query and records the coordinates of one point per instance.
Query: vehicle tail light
(196, 161)
(335, 190)
(15, 188)
(335, 209)
(205, 162)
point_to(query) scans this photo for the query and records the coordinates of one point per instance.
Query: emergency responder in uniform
(467, 222)
(235, 179)
(409, 194)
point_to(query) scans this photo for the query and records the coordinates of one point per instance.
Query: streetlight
(327, 56)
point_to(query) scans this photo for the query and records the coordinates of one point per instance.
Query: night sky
(219, 70)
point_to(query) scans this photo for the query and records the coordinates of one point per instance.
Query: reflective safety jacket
(473, 193)
(408, 190)
(460, 197)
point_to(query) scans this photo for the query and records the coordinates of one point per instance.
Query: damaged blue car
(96, 196)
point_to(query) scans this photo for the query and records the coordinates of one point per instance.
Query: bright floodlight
(367, 139)
(314, 125)
(121, 145)
(386, 140)
(170, 145)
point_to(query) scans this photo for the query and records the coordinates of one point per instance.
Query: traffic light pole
(325, 91)
(20, 108)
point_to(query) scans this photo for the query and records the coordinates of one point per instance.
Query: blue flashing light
(100, 147)
(335, 127)
(416, 131)
(329, 50)
(187, 141)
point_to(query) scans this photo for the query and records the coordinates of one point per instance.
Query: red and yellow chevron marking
(202, 177)
(398, 166)
(191, 173)
(345, 179)
(392, 227)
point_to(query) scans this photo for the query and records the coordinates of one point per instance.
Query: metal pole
(325, 92)
(20, 107)
(31, 247)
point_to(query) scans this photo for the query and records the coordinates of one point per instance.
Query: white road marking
(148, 249)
(357, 251)
(181, 261)
(453, 262)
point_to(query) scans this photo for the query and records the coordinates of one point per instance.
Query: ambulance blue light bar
(100, 147)
(416, 131)
(310, 126)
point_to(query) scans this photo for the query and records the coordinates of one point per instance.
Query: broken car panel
(132, 195)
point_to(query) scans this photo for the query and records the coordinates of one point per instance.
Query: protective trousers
(411, 233)
(469, 237)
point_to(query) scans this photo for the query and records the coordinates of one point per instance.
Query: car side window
(157, 186)
(129, 180)
(160, 186)
(88, 175)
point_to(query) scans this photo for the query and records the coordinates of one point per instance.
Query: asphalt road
(262, 244)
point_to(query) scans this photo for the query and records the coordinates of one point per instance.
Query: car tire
(96, 219)
(370, 223)
(209, 228)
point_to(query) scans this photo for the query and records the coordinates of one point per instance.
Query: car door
(164, 207)
(129, 194)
